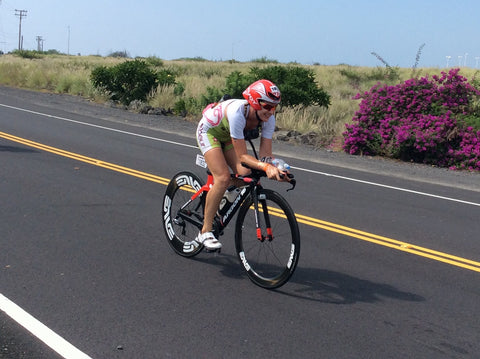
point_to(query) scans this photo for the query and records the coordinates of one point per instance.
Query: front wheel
(182, 216)
(270, 255)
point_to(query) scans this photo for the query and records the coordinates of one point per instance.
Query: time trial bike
(267, 237)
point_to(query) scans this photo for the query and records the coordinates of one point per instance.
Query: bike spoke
(183, 213)
(269, 263)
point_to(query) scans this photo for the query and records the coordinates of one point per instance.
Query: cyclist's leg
(235, 164)
(210, 142)
(221, 176)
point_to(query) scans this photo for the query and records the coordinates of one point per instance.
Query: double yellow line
(92, 161)
(350, 232)
(392, 243)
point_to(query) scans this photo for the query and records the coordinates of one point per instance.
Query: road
(389, 268)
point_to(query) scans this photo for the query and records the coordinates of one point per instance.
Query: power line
(21, 14)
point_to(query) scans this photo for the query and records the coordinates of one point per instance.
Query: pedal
(179, 221)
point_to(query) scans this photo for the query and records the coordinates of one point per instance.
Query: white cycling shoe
(208, 240)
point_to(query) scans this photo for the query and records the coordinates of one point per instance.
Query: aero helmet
(262, 90)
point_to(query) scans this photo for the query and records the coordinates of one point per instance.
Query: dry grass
(163, 97)
(70, 74)
(61, 74)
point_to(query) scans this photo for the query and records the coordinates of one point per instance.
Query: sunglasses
(267, 106)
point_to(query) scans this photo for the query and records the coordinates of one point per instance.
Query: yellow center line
(85, 159)
(310, 221)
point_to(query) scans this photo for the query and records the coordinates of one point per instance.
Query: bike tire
(268, 264)
(179, 231)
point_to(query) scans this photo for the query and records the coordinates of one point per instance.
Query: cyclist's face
(265, 114)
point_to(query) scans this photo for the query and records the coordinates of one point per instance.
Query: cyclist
(221, 137)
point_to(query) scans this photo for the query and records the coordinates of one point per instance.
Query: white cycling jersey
(227, 120)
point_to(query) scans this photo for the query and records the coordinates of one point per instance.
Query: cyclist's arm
(240, 148)
(265, 147)
(266, 151)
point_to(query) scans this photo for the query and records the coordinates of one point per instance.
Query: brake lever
(292, 180)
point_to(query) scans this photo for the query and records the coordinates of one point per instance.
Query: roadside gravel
(179, 126)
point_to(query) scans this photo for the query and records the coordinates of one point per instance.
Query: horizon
(325, 33)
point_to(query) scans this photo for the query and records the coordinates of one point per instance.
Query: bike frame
(251, 189)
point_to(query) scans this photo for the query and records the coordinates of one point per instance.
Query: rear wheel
(270, 257)
(183, 224)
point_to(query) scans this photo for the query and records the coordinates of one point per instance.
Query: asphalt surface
(82, 249)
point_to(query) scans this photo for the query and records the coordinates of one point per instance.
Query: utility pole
(40, 41)
(21, 14)
(68, 43)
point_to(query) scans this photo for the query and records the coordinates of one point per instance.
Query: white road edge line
(390, 187)
(98, 126)
(38, 329)
(297, 168)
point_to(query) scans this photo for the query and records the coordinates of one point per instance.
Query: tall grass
(60, 74)
(71, 74)
(163, 97)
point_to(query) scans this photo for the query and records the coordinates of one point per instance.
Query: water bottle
(230, 194)
(280, 164)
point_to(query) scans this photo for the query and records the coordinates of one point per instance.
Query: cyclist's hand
(274, 173)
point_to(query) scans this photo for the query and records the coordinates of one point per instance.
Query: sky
(325, 32)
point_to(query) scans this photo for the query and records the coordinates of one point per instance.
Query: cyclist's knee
(223, 179)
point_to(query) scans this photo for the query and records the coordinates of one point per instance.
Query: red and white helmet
(262, 90)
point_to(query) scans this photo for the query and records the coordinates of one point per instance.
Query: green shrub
(297, 84)
(27, 54)
(472, 121)
(188, 105)
(264, 60)
(128, 81)
(213, 95)
(195, 59)
(52, 52)
(165, 77)
(353, 76)
(179, 89)
(236, 83)
(180, 107)
(471, 118)
(154, 61)
(121, 54)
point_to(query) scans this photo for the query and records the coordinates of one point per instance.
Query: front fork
(261, 198)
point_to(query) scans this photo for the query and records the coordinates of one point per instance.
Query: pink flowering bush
(422, 120)
(467, 155)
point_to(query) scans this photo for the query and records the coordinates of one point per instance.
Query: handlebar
(259, 173)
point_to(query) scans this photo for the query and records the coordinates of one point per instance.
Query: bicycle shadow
(320, 285)
(16, 149)
(332, 287)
